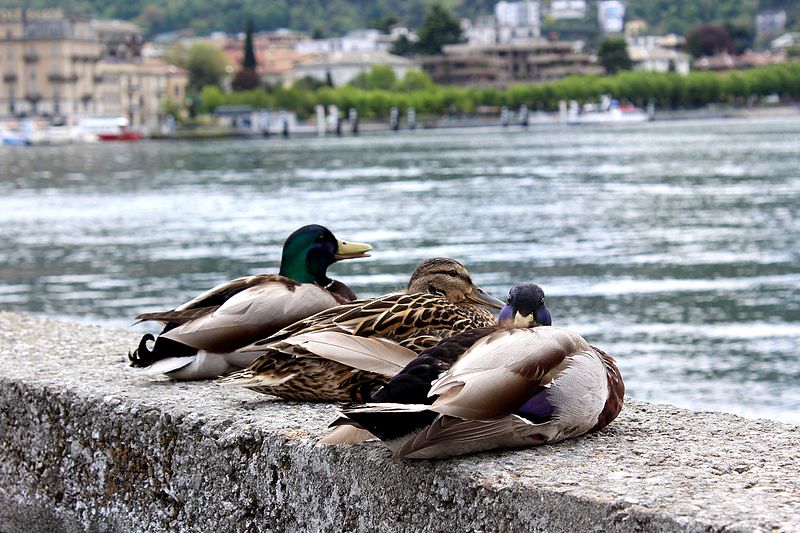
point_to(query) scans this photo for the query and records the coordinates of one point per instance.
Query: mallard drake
(200, 336)
(345, 352)
(508, 386)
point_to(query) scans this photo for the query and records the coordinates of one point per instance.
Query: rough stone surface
(88, 444)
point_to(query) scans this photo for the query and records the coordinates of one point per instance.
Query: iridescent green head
(309, 251)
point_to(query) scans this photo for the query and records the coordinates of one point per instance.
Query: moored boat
(109, 129)
(607, 111)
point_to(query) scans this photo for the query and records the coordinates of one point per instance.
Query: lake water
(674, 246)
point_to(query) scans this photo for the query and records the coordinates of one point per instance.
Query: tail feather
(142, 356)
(346, 435)
(390, 422)
(203, 365)
(166, 365)
(162, 348)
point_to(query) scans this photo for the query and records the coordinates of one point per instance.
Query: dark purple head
(527, 300)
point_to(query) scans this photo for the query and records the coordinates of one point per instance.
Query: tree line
(415, 90)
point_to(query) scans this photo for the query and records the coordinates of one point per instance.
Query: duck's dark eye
(320, 238)
(452, 273)
(509, 299)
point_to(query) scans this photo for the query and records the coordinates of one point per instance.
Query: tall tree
(708, 40)
(742, 33)
(249, 53)
(402, 46)
(381, 77)
(439, 28)
(247, 77)
(206, 65)
(613, 55)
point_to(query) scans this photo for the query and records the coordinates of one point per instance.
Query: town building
(611, 16)
(482, 31)
(69, 67)
(119, 40)
(567, 9)
(138, 91)
(513, 22)
(341, 67)
(517, 22)
(48, 63)
(659, 53)
(770, 23)
(726, 61)
(499, 65)
(370, 40)
(785, 42)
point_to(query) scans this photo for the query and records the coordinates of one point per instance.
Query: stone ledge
(87, 444)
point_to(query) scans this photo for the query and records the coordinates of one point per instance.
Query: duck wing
(321, 321)
(396, 316)
(503, 371)
(252, 313)
(412, 384)
(207, 302)
(176, 317)
(449, 436)
(381, 356)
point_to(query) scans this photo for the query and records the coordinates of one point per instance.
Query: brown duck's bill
(352, 250)
(480, 297)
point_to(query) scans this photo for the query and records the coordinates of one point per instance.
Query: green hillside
(333, 17)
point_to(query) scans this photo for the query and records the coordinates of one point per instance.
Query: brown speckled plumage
(439, 302)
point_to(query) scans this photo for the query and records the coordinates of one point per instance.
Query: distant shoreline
(536, 119)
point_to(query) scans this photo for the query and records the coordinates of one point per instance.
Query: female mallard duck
(346, 352)
(502, 387)
(236, 313)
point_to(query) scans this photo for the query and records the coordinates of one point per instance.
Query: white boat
(14, 133)
(607, 111)
(108, 129)
(37, 131)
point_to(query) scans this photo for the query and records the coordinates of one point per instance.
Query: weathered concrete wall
(87, 444)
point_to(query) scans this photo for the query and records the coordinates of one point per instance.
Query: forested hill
(334, 17)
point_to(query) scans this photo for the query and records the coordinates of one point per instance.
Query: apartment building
(68, 67)
(137, 91)
(499, 65)
(48, 63)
